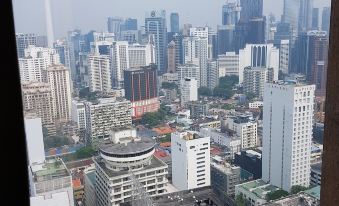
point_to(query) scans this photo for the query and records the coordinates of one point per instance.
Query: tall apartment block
(188, 90)
(60, 82)
(255, 79)
(102, 115)
(287, 134)
(190, 160)
(33, 65)
(23, 41)
(141, 89)
(99, 73)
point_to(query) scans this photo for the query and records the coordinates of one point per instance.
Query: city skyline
(75, 13)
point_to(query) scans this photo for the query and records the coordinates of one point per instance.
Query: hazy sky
(92, 14)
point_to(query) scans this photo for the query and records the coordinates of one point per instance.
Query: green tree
(276, 194)
(205, 91)
(240, 201)
(56, 141)
(250, 96)
(85, 152)
(297, 188)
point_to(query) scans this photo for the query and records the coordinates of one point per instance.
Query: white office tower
(119, 62)
(60, 83)
(103, 36)
(128, 171)
(284, 52)
(195, 50)
(228, 64)
(259, 55)
(190, 160)
(99, 73)
(246, 128)
(287, 134)
(191, 71)
(212, 74)
(104, 114)
(141, 55)
(255, 79)
(79, 116)
(189, 90)
(34, 64)
(50, 183)
(34, 139)
(199, 32)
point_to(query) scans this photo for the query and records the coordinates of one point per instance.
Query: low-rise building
(198, 109)
(255, 104)
(255, 192)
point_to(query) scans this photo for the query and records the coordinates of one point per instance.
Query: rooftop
(259, 188)
(163, 130)
(155, 163)
(314, 192)
(132, 147)
(91, 176)
(51, 169)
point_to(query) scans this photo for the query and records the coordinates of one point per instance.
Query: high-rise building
(315, 19)
(212, 74)
(34, 139)
(131, 36)
(325, 19)
(59, 80)
(141, 55)
(171, 63)
(259, 55)
(119, 62)
(305, 15)
(103, 115)
(195, 51)
(189, 71)
(76, 45)
(41, 41)
(230, 13)
(23, 41)
(190, 160)
(61, 47)
(99, 73)
(188, 90)
(141, 89)
(291, 16)
(212, 44)
(256, 30)
(179, 56)
(287, 134)
(255, 79)
(114, 25)
(228, 64)
(128, 164)
(155, 24)
(199, 32)
(240, 36)
(34, 64)
(309, 57)
(186, 30)
(284, 56)
(37, 98)
(79, 116)
(175, 22)
(250, 9)
(130, 24)
(225, 38)
(246, 128)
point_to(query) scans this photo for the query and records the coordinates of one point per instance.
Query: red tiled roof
(163, 130)
(76, 183)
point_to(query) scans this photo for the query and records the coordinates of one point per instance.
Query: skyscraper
(130, 24)
(291, 16)
(230, 13)
(114, 25)
(196, 52)
(119, 62)
(141, 89)
(315, 18)
(59, 79)
(250, 9)
(305, 15)
(325, 19)
(287, 132)
(175, 22)
(225, 38)
(171, 64)
(155, 24)
(212, 74)
(23, 41)
(256, 30)
(62, 48)
(99, 72)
